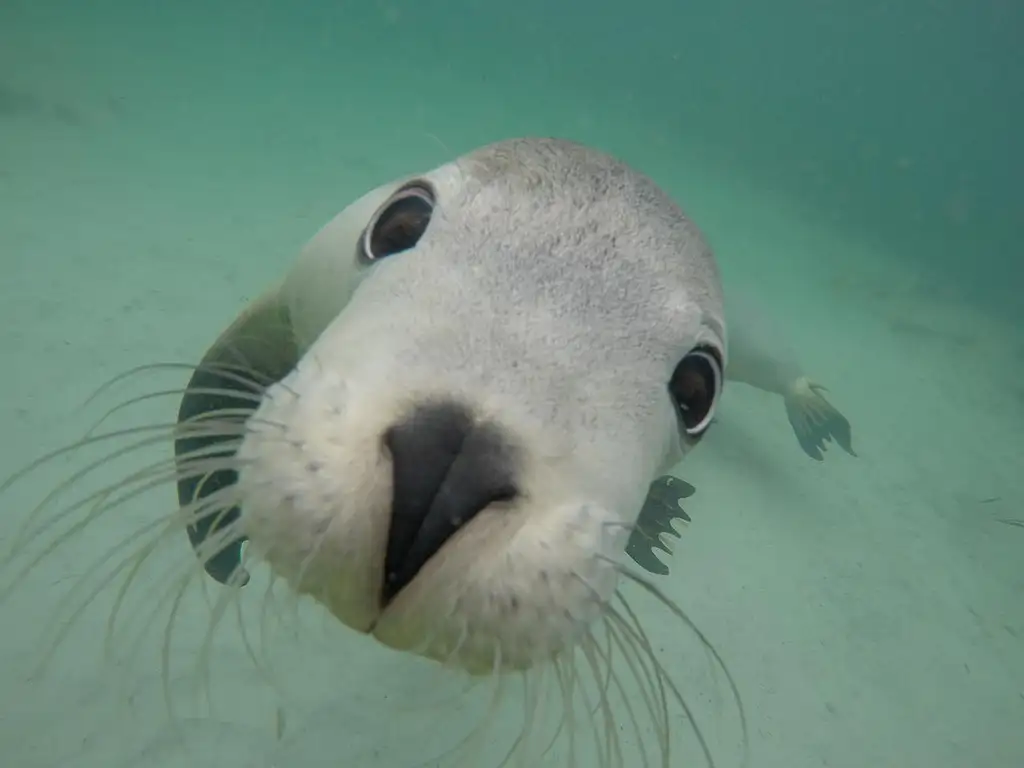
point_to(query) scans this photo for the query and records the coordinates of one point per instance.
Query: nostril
(506, 493)
(446, 469)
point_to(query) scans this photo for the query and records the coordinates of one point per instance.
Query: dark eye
(399, 224)
(695, 387)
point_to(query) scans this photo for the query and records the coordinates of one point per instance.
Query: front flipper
(661, 508)
(815, 420)
(256, 351)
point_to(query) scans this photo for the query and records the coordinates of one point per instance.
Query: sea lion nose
(447, 467)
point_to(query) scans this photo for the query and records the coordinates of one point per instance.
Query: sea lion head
(529, 336)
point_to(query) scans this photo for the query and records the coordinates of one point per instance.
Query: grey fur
(554, 290)
(555, 276)
(759, 356)
(552, 294)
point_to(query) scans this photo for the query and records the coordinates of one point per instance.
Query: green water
(857, 167)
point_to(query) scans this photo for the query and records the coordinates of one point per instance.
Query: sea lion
(437, 326)
(443, 422)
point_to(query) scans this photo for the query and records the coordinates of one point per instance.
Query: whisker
(165, 430)
(655, 694)
(226, 599)
(165, 652)
(255, 399)
(240, 374)
(171, 473)
(570, 688)
(533, 703)
(650, 680)
(492, 708)
(565, 680)
(170, 527)
(187, 462)
(83, 604)
(470, 741)
(83, 443)
(616, 641)
(708, 645)
(611, 740)
(269, 599)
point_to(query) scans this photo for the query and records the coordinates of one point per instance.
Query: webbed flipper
(662, 506)
(815, 421)
(256, 351)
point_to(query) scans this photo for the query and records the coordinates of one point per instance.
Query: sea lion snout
(446, 469)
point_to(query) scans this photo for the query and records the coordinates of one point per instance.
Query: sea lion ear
(257, 350)
(662, 506)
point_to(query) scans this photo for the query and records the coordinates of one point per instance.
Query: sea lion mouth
(446, 469)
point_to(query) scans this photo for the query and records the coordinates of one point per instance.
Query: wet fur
(627, 286)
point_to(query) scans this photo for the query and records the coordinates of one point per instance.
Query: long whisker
(182, 393)
(708, 646)
(23, 537)
(470, 741)
(176, 430)
(137, 557)
(240, 374)
(601, 719)
(681, 615)
(204, 428)
(638, 652)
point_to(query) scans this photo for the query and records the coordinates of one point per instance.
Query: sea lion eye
(398, 224)
(695, 387)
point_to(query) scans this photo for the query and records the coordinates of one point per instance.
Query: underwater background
(857, 167)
